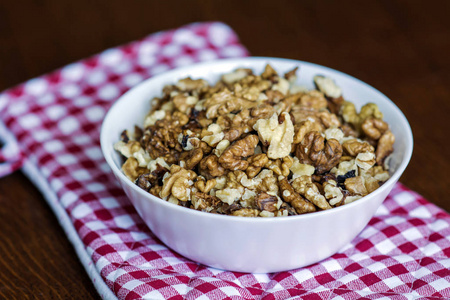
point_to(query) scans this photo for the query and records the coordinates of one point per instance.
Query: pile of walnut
(257, 145)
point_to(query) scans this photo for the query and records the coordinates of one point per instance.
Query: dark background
(400, 47)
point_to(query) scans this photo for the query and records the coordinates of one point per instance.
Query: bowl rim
(149, 197)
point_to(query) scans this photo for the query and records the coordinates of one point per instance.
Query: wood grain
(400, 47)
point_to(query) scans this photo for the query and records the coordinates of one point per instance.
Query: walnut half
(322, 154)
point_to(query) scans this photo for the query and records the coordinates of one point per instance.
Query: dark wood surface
(400, 47)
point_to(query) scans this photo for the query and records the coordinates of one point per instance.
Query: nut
(256, 163)
(365, 160)
(280, 166)
(298, 169)
(385, 147)
(322, 154)
(209, 166)
(279, 136)
(177, 183)
(204, 186)
(232, 157)
(193, 158)
(355, 185)
(305, 127)
(246, 212)
(132, 170)
(225, 102)
(289, 195)
(374, 128)
(353, 147)
(305, 187)
(333, 193)
(314, 100)
(189, 85)
(327, 86)
(266, 202)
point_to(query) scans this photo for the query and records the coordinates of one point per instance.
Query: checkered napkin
(50, 128)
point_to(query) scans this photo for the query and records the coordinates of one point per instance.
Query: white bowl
(253, 244)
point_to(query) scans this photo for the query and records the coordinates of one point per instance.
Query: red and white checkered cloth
(51, 129)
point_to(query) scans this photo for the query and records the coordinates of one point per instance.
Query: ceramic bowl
(253, 244)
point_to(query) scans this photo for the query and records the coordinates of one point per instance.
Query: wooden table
(400, 47)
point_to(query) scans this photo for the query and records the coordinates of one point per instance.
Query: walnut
(281, 86)
(221, 146)
(239, 125)
(193, 158)
(154, 178)
(246, 212)
(374, 128)
(287, 103)
(365, 160)
(305, 187)
(225, 102)
(268, 181)
(177, 183)
(333, 194)
(204, 186)
(132, 170)
(188, 140)
(334, 104)
(349, 114)
(280, 166)
(248, 93)
(322, 154)
(204, 202)
(305, 127)
(236, 75)
(291, 76)
(328, 119)
(355, 185)
(314, 100)
(327, 86)
(127, 149)
(153, 117)
(278, 135)
(344, 167)
(377, 172)
(334, 133)
(188, 84)
(298, 169)
(256, 163)
(209, 166)
(263, 111)
(156, 164)
(248, 199)
(274, 95)
(353, 147)
(214, 135)
(229, 195)
(322, 119)
(266, 202)
(348, 130)
(370, 110)
(289, 195)
(232, 157)
(182, 102)
(385, 147)
(269, 72)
